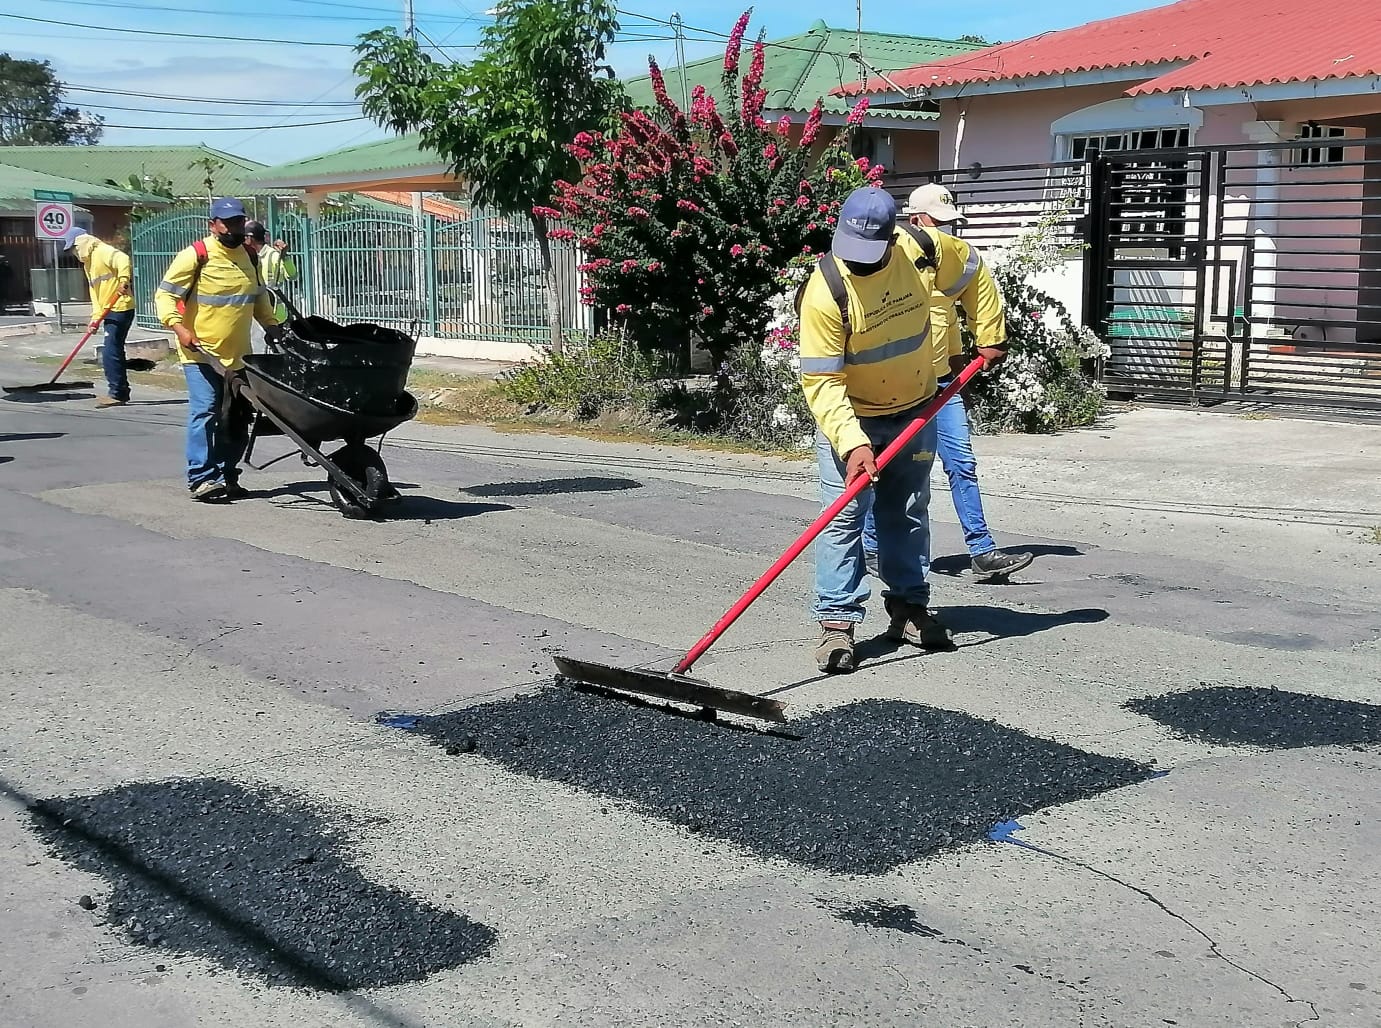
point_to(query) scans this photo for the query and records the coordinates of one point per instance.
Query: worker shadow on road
(957, 565)
(17, 437)
(992, 623)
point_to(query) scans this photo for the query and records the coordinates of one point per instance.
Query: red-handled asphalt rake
(676, 684)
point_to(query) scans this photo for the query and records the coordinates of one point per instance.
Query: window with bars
(1317, 155)
(1137, 139)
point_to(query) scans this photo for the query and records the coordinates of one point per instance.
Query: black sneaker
(996, 564)
(835, 653)
(233, 489)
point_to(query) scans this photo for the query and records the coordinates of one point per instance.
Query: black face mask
(230, 239)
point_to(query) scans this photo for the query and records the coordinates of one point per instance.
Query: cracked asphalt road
(249, 650)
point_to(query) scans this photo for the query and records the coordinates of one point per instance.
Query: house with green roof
(397, 164)
(99, 208)
(186, 168)
(816, 64)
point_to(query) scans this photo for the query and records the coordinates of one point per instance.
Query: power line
(194, 128)
(377, 15)
(189, 35)
(184, 114)
(69, 87)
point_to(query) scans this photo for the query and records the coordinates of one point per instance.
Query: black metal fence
(1228, 272)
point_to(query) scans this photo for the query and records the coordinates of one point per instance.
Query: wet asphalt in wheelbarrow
(861, 788)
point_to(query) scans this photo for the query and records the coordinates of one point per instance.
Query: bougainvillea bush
(1042, 386)
(688, 217)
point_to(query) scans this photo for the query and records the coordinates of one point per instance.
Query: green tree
(503, 120)
(32, 112)
(154, 185)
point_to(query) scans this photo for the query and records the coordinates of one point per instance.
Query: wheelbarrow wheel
(363, 465)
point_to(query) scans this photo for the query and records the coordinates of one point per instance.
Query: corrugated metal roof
(97, 164)
(1211, 43)
(805, 68)
(386, 155)
(17, 186)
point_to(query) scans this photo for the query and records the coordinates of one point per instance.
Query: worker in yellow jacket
(208, 297)
(932, 206)
(865, 379)
(109, 276)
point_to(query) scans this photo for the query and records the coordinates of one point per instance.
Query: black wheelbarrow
(356, 473)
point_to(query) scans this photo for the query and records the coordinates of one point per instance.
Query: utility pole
(409, 22)
(678, 27)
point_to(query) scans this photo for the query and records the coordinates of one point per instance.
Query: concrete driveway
(262, 765)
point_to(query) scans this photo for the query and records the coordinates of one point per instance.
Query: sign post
(52, 220)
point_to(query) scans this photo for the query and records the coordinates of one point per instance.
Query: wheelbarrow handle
(851, 491)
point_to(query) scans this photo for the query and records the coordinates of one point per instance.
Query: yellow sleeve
(123, 269)
(963, 276)
(265, 311)
(822, 368)
(177, 280)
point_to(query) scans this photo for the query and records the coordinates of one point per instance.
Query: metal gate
(477, 276)
(1243, 272)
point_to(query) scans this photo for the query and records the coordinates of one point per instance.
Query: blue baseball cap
(867, 221)
(227, 207)
(71, 237)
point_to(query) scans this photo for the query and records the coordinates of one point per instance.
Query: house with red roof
(1238, 222)
(1192, 73)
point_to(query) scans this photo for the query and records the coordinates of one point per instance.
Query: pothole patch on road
(256, 880)
(868, 787)
(1271, 718)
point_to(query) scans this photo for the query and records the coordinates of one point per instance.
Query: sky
(165, 68)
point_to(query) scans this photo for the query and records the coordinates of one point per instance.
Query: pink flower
(628, 266)
(654, 265)
(546, 212)
(824, 208)
(860, 109)
(688, 205)
(802, 202)
(862, 164)
(707, 311)
(735, 47)
(659, 88)
(783, 125)
(638, 212)
(770, 151)
(812, 124)
(736, 251)
(561, 233)
(805, 249)
(622, 308)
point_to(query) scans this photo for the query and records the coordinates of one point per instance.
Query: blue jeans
(901, 498)
(954, 445)
(214, 449)
(117, 326)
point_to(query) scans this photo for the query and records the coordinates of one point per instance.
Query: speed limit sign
(52, 214)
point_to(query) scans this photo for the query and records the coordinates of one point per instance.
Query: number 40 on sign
(52, 214)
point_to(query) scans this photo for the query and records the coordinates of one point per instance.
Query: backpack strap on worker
(926, 242)
(199, 248)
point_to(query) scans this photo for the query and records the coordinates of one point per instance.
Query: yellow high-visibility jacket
(108, 271)
(220, 299)
(889, 362)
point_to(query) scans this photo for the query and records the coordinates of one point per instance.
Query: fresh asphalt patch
(1272, 718)
(865, 787)
(255, 880)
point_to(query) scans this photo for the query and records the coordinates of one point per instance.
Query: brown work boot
(914, 624)
(835, 654)
(109, 401)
